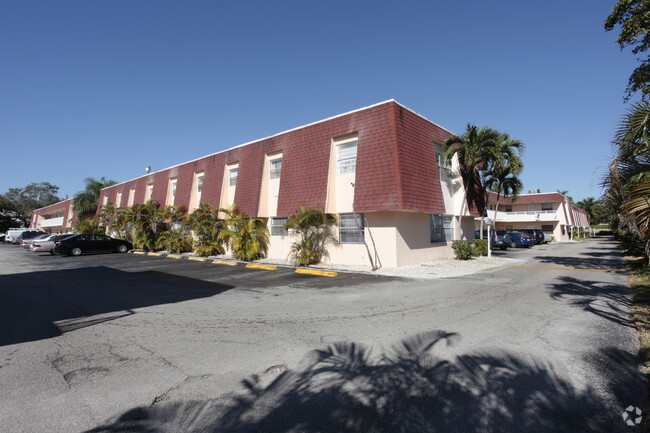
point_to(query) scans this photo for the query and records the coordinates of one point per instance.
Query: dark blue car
(518, 239)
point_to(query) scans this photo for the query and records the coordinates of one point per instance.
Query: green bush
(480, 247)
(464, 250)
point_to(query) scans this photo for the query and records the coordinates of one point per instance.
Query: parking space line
(258, 266)
(316, 272)
(566, 269)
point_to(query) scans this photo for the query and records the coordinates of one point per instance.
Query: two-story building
(55, 218)
(378, 168)
(551, 212)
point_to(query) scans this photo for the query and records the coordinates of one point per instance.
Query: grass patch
(638, 275)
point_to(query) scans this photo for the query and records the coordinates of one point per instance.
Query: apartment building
(378, 168)
(55, 218)
(551, 212)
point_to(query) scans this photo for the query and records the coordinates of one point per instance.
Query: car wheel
(513, 244)
(76, 251)
(122, 248)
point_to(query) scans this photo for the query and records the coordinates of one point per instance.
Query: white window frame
(276, 226)
(275, 168)
(441, 228)
(351, 228)
(233, 179)
(346, 158)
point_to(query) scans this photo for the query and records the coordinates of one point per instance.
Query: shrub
(481, 247)
(464, 250)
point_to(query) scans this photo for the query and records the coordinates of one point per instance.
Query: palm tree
(85, 202)
(314, 229)
(206, 226)
(148, 222)
(589, 205)
(475, 150)
(248, 237)
(504, 169)
(628, 182)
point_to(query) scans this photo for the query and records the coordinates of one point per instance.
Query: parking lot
(122, 341)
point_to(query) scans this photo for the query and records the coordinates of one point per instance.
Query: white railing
(543, 215)
(52, 222)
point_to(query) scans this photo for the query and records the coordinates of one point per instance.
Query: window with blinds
(346, 158)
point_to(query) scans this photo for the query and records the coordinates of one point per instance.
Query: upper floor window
(547, 206)
(351, 228)
(233, 176)
(199, 184)
(508, 208)
(149, 192)
(276, 168)
(346, 158)
(441, 161)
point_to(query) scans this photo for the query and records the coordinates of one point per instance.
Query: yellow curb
(267, 267)
(174, 256)
(224, 262)
(315, 272)
(566, 269)
(155, 254)
(198, 259)
(138, 252)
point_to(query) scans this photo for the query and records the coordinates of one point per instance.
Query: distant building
(55, 218)
(551, 212)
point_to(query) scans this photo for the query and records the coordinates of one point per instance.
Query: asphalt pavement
(123, 342)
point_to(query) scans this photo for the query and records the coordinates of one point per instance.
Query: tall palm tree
(589, 206)
(85, 202)
(314, 228)
(474, 149)
(504, 168)
(628, 181)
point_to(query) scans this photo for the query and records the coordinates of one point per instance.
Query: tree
(633, 17)
(627, 184)
(86, 201)
(474, 149)
(314, 229)
(504, 168)
(206, 226)
(590, 206)
(248, 237)
(17, 204)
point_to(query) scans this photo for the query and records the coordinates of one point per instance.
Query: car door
(103, 243)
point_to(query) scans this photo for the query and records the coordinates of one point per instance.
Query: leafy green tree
(86, 201)
(248, 237)
(89, 226)
(17, 204)
(314, 229)
(590, 206)
(474, 149)
(633, 17)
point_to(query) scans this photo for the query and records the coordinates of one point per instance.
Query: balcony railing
(52, 222)
(529, 215)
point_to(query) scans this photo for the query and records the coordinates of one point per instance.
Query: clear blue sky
(105, 88)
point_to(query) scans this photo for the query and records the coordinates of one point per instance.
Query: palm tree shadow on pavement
(407, 389)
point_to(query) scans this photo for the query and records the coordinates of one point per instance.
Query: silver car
(46, 244)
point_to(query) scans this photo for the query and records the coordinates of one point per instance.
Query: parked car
(518, 239)
(12, 235)
(500, 239)
(536, 234)
(548, 238)
(27, 235)
(76, 245)
(46, 244)
(27, 238)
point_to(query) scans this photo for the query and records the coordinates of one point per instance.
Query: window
(509, 228)
(276, 168)
(149, 192)
(276, 226)
(442, 162)
(347, 157)
(351, 228)
(508, 208)
(547, 228)
(441, 228)
(233, 176)
(174, 188)
(547, 206)
(199, 185)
